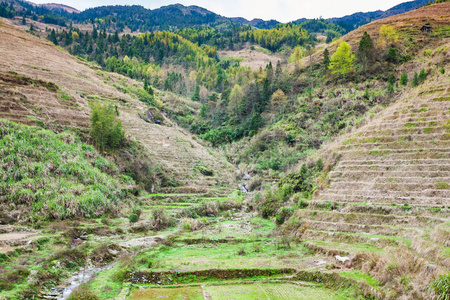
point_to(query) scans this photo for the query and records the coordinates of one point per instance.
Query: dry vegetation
(32, 63)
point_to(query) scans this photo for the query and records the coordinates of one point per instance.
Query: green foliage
(326, 59)
(319, 165)
(341, 62)
(366, 49)
(83, 293)
(284, 34)
(9, 278)
(404, 79)
(392, 55)
(301, 181)
(55, 176)
(442, 70)
(390, 88)
(133, 218)
(415, 82)
(196, 95)
(422, 75)
(441, 287)
(146, 97)
(442, 186)
(106, 131)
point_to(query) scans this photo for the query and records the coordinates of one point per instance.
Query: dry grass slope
(40, 84)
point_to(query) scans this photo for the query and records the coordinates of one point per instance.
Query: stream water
(78, 279)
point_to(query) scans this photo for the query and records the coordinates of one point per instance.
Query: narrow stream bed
(78, 279)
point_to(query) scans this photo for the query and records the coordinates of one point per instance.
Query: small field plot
(224, 256)
(269, 291)
(192, 293)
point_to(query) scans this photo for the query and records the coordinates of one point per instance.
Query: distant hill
(356, 20)
(139, 18)
(60, 8)
(259, 23)
(177, 16)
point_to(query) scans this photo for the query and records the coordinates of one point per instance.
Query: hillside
(388, 193)
(383, 199)
(342, 163)
(56, 89)
(356, 20)
(138, 18)
(60, 8)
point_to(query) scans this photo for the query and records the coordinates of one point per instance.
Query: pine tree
(415, 81)
(365, 50)
(265, 94)
(94, 33)
(404, 79)
(326, 59)
(196, 95)
(278, 70)
(422, 75)
(53, 38)
(341, 62)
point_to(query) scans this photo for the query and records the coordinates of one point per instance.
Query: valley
(223, 161)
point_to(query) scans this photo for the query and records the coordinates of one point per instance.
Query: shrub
(443, 70)
(390, 88)
(415, 81)
(441, 287)
(257, 248)
(83, 293)
(392, 56)
(106, 131)
(160, 219)
(319, 164)
(10, 278)
(283, 214)
(442, 185)
(404, 79)
(422, 75)
(242, 251)
(133, 218)
(146, 97)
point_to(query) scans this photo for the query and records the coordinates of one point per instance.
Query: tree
(422, 75)
(404, 79)
(388, 35)
(341, 62)
(326, 59)
(53, 38)
(415, 81)
(265, 94)
(297, 54)
(365, 50)
(235, 99)
(196, 95)
(278, 98)
(106, 131)
(391, 55)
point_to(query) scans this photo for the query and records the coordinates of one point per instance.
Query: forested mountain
(259, 23)
(177, 16)
(356, 20)
(138, 18)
